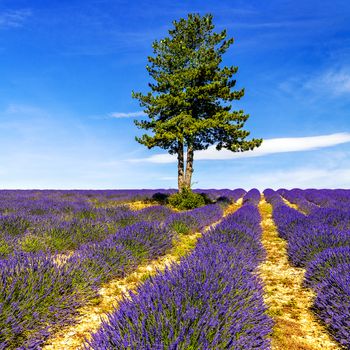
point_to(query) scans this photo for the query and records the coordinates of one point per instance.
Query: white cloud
(276, 24)
(24, 119)
(331, 83)
(269, 146)
(127, 115)
(14, 18)
(308, 177)
(334, 81)
(21, 109)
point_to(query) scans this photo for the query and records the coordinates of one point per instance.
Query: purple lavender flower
(332, 303)
(211, 300)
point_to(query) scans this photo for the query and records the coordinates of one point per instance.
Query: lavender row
(326, 198)
(41, 292)
(284, 216)
(144, 240)
(56, 200)
(59, 221)
(297, 197)
(311, 199)
(339, 199)
(39, 202)
(320, 242)
(54, 233)
(37, 290)
(211, 300)
(195, 219)
(252, 197)
(218, 195)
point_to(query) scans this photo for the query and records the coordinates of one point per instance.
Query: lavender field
(59, 248)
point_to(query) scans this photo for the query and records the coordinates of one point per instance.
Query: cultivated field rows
(248, 271)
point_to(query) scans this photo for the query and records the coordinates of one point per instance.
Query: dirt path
(296, 327)
(290, 204)
(139, 205)
(111, 293)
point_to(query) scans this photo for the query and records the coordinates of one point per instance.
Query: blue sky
(67, 69)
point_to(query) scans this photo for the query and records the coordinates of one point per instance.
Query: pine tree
(189, 103)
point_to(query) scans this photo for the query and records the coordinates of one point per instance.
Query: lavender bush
(252, 197)
(195, 219)
(296, 196)
(318, 269)
(217, 195)
(40, 290)
(286, 219)
(321, 243)
(34, 293)
(332, 303)
(273, 198)
(309, 239)
(211, 300)
(333, 217)
(67, 230)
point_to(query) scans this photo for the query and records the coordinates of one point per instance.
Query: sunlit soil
(296, 327)
(139, 205)
(294, 206)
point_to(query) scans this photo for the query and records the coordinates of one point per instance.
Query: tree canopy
(188, 106)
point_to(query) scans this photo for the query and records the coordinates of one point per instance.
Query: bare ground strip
(296, 327)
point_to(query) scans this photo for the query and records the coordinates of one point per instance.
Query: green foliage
(60, 240)
(33, 243)
(186, 199)
(186, 100)
(223, 201)
(160, 198)
(180, 227)
(206, 198)
(86, 214)
(5, 248)
(138, 249)
(15, 226)
(189, 102)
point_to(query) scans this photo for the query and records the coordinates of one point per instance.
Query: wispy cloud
(275, 24)
(25, 120)
(269, 146)
(118, 115)
(307, 177)
(334, 81)
(14, 18)
(21, 109)
(329, 168)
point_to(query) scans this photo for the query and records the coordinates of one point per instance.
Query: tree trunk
(180, 166)
(189, 167)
